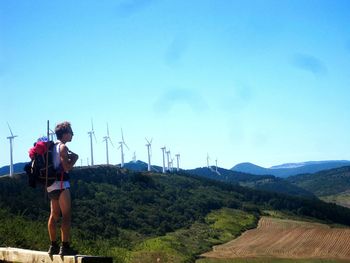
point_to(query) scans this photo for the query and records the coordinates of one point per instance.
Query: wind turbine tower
(134, 157)
(163, 150)
(92, 133)
(177, 161)
(106, 139)
(149, 145)
(168, 159)
(122, 142)
(171, 164)
(11, 138)
(208, 158)
(216, 165)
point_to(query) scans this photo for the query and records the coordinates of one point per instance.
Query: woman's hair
(62, 128)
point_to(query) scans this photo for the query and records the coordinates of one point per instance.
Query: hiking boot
(67, 251)
(53, 250)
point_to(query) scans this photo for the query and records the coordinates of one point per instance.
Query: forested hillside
(328, 182)
(132, 215)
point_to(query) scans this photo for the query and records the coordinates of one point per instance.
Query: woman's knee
(53, 219)
(55, 211)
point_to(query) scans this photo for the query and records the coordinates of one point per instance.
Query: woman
(59, 193)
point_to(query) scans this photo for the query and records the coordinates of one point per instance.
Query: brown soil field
(282, 238)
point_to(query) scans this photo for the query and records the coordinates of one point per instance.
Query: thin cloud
(175, 50)
(309, 63)
(237, 98)
(129, 7)
(178, 96)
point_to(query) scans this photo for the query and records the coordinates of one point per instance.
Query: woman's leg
(54, 216)
(65, 206)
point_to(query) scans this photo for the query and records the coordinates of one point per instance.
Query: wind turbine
(168, 159)
(51, 134)
(149, 143)
(171, 164)
(92, 132)
(122, 142)
(163, 150)
(11, 138)
(177, 161)
(134, 157)
(208, 158)
(216, 167)
(106, 139)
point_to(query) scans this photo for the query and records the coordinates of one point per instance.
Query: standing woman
(59, 193)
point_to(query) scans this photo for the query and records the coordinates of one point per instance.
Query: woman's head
(62, 129)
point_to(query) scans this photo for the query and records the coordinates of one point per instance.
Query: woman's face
(68, 136)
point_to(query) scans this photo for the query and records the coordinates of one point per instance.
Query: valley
(149, 217)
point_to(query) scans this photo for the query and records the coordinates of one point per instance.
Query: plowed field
(287, 239)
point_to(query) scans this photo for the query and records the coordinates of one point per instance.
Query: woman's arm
(68, 159)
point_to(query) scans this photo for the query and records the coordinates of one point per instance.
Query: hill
(141, 166)
(17, 168)
(290, 169)
(324, 183)
(259, 182)
(133, 215)
(330, 185)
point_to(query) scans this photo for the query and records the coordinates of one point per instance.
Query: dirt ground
(287, 239)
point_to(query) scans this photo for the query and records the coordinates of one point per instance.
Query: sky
(266, 82)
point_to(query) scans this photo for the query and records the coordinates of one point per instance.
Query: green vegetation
(181, 246)
(140, 217)
(258, 182)
(340, 199)
(15, 231)
(324, 183)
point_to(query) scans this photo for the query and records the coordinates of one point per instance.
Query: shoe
(67, 251)
(53, 250)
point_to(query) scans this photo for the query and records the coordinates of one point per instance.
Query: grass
(340, 199)
(185, 244)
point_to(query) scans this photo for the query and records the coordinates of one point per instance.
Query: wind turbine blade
(110, 141)
(126, 145)
(147, 140)
(94, 136)
(107, 130)
(10, 129)
(122, 134)
(92, 125)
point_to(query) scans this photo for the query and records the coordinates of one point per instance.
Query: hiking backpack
(36, 168)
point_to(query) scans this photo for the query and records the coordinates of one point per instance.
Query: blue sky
(245, 81)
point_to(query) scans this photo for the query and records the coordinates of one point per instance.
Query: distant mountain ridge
(290, 169)
(282, 170)
(259, 182)
(141, 166)
(17, 168)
